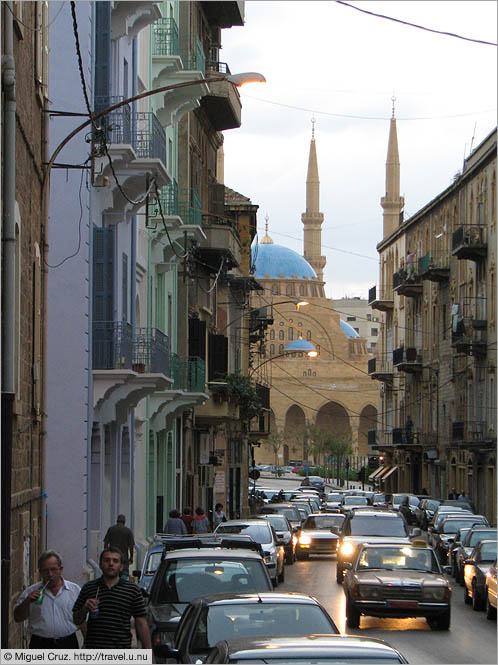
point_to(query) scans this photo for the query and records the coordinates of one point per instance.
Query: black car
(210, 619)
(442, 535)
(287, 509)
(305, 649)
(474, 573)
(191, 566)
(472, 538)
(425, 511)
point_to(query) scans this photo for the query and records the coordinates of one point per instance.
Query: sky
(343, 67)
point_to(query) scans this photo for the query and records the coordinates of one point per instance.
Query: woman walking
(200, 523)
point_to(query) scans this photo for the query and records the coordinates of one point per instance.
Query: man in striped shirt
(110, 602)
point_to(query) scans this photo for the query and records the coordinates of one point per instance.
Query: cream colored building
(357, 313)
(333, 390)
(436, 356)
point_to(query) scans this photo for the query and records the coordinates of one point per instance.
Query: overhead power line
(415, 25)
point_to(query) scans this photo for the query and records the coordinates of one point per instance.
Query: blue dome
(348, 330)
(275, 260)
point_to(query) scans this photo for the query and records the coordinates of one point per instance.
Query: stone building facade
(436, 357)
(24, 123)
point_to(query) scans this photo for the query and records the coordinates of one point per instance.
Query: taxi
(396, 580)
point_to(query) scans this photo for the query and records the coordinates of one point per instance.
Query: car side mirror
(347, 565)
(447, 570)
(415, 532)
(137, 574)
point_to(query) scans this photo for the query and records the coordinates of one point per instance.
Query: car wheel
(466, 598)
(281, 577)
(490, 610)
(290, 558)
(477, 601)
(443, 620)
(275, 582)
(339, 574)
(352, 615)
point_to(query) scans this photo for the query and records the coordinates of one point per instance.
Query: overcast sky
(343, 67)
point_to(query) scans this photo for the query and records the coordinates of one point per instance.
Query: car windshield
(379, 497)
(355, 501)
(334, 497)
(153, 562)
(260, 533)
(184, 579)
(452, 526)
(292, 514)
(323, 521)
(278, 522)
(476, 536)
(431, 505)
(487, 552)
(398, 558)
(375, 525)
(223, 622)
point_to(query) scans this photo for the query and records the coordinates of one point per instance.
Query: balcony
(469, 242)
(380, 298)
(130, 17)
(434, 266)
(407, 283)
(384, 439)
(469, 336)
(222, 242)
(188, 374)
(381, 371)
(222, 104)
(476, 434)
(125, 368)
(407, 360)
(224, 14)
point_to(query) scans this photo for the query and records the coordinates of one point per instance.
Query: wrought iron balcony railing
(188, 374)
(165, 37)
(112, 345)
(472, 432)
(151, 351)
(469, 242)
(434, 266)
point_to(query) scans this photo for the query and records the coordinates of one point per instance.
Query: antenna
(473, 137)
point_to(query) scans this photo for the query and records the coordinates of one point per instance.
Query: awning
(391, 470)
(376, 472)
(381, 475)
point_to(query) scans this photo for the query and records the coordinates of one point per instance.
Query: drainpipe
(8, 298)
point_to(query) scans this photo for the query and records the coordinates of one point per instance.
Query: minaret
(392, 202)
(312, 219)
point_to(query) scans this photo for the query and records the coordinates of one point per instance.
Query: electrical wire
(415, 25)
(42, 27)
(158, 199)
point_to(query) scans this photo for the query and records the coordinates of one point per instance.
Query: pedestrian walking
(218, 515)
(453, 494)
(121, 537)
(48, 605)
(187, 518)
(462, 496)
(200, 523)
(404, 509)
(175, 525)
(108, 603)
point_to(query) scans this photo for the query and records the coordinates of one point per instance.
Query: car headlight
(347, 549)
(435, 593)
(304, 540)
(368, 591)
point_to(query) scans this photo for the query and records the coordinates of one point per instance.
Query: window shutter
(124, 284)
(102, 54)
(197, 338)
(103, 274)
(218, 357)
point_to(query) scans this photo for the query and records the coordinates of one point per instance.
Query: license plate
(402, 603)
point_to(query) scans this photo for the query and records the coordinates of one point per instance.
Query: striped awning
(391, 470)
(376, 473)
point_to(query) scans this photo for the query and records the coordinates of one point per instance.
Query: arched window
(308, 335)
(280, 348)
(281, 334)
(272, 334)
(302, 291)
(275, 288)
(272, 349)
(291, 333)
(289, 290)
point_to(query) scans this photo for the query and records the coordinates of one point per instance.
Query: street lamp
(235, 79)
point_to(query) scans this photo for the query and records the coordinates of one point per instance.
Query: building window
(280, 348)
(272, 334)
(374, 332)
(308, 335)
(369, 317)
(302, 290)
(291, 334)
(272, 349)
(351, 318)
(289, 290)
(357, 330)
(281, 334)
(274, 289)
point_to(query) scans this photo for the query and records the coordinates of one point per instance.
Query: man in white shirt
(48, 607)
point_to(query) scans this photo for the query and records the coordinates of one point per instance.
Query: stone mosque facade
(332, 391)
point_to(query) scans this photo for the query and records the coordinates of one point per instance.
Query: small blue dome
(348, 330)
(275, 260)
(300, 345)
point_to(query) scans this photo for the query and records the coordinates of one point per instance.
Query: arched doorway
(294, 430)
(368, 421)
(334, 418)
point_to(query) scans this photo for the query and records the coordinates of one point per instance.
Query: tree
(337, 446)
(275, 441)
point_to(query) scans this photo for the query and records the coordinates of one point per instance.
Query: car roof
(286, 504)
(392, 514)
(241, 521)
(319, 642)
(215, 553)
(258, 598)
(327, 515)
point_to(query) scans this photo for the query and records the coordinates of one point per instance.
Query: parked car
(287, 509)
(263, 533)
(191, 566)
(151, 561)
(472, 538)
(388, 580)
(474, 573)
(441, 537)
(210, 619)
(333, 502)
(425, 510)
(285, 532)
(449, 510)
(413, 502)
(305, 649)
(319, 535)
(372, 526)
(491, 592)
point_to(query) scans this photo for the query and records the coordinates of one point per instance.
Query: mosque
(314, 363)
